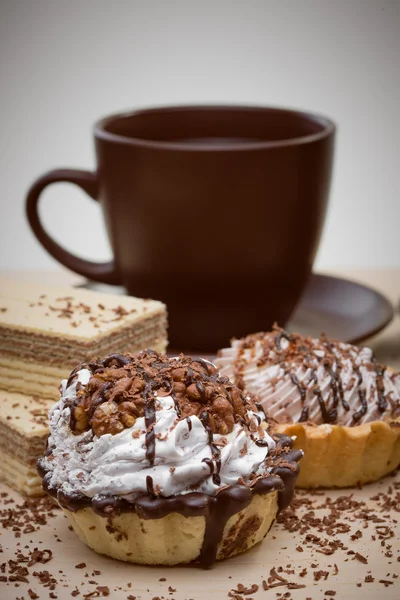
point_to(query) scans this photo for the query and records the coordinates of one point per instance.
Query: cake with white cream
(159, 460)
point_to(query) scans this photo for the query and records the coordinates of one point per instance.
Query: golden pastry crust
(340, 456)
(173, 539)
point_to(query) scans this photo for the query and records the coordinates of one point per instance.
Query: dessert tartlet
(340, 404)
(160, 460)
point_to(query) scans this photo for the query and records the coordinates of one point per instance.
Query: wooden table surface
(364, 564)
(367, 548)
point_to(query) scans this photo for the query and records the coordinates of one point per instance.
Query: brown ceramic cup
(216, 210)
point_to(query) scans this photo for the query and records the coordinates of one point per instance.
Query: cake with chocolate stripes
(342, 406)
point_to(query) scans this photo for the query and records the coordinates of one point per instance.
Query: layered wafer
(46, 330)
(23, 435)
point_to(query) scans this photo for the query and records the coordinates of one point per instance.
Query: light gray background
(64, 64)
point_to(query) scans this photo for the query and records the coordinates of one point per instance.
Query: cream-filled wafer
(23, 435)
(46, 330)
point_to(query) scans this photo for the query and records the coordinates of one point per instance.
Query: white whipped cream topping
(281, 398)
(117, 464)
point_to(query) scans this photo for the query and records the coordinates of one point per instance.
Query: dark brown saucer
(342, 309)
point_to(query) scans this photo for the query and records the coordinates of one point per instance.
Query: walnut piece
(81, 420)
(121, 386)
(106, 419)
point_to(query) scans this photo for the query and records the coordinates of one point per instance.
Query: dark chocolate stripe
(380, 387)
(215, 451)
(363, 408)
(209, 464)
(302, 391)
(100, 398)
(150, 485)
(336, 374)
(328, 416)
(304, 415)
(150, 420)
(261, 443)
(297, 383)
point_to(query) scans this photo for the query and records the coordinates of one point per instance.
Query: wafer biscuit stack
(45, 331)
(23, 434)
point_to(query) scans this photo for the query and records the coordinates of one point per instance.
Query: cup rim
(328, 127)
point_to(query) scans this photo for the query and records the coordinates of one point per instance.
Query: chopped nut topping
(121, 386)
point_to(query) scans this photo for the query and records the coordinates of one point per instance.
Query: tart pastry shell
(341, 456)
(174, 538)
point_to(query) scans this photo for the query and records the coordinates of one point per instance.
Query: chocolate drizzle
(297, 383)
(215, 467)
(207, 366)
(328, 416)
(150, 485)
(228, 502)
(304, 415)
(209, 464)
(362, 396)
(216, 476)
(216, 509)
(119, 360)
(200, 389)
(363, 408)
(261, 443)
(333, 383)
(150, 420)
(337, 386)
(380, 387)
(302, 392)
(99, 400)
(332, 360)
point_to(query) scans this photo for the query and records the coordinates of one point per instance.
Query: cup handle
(103, 272)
